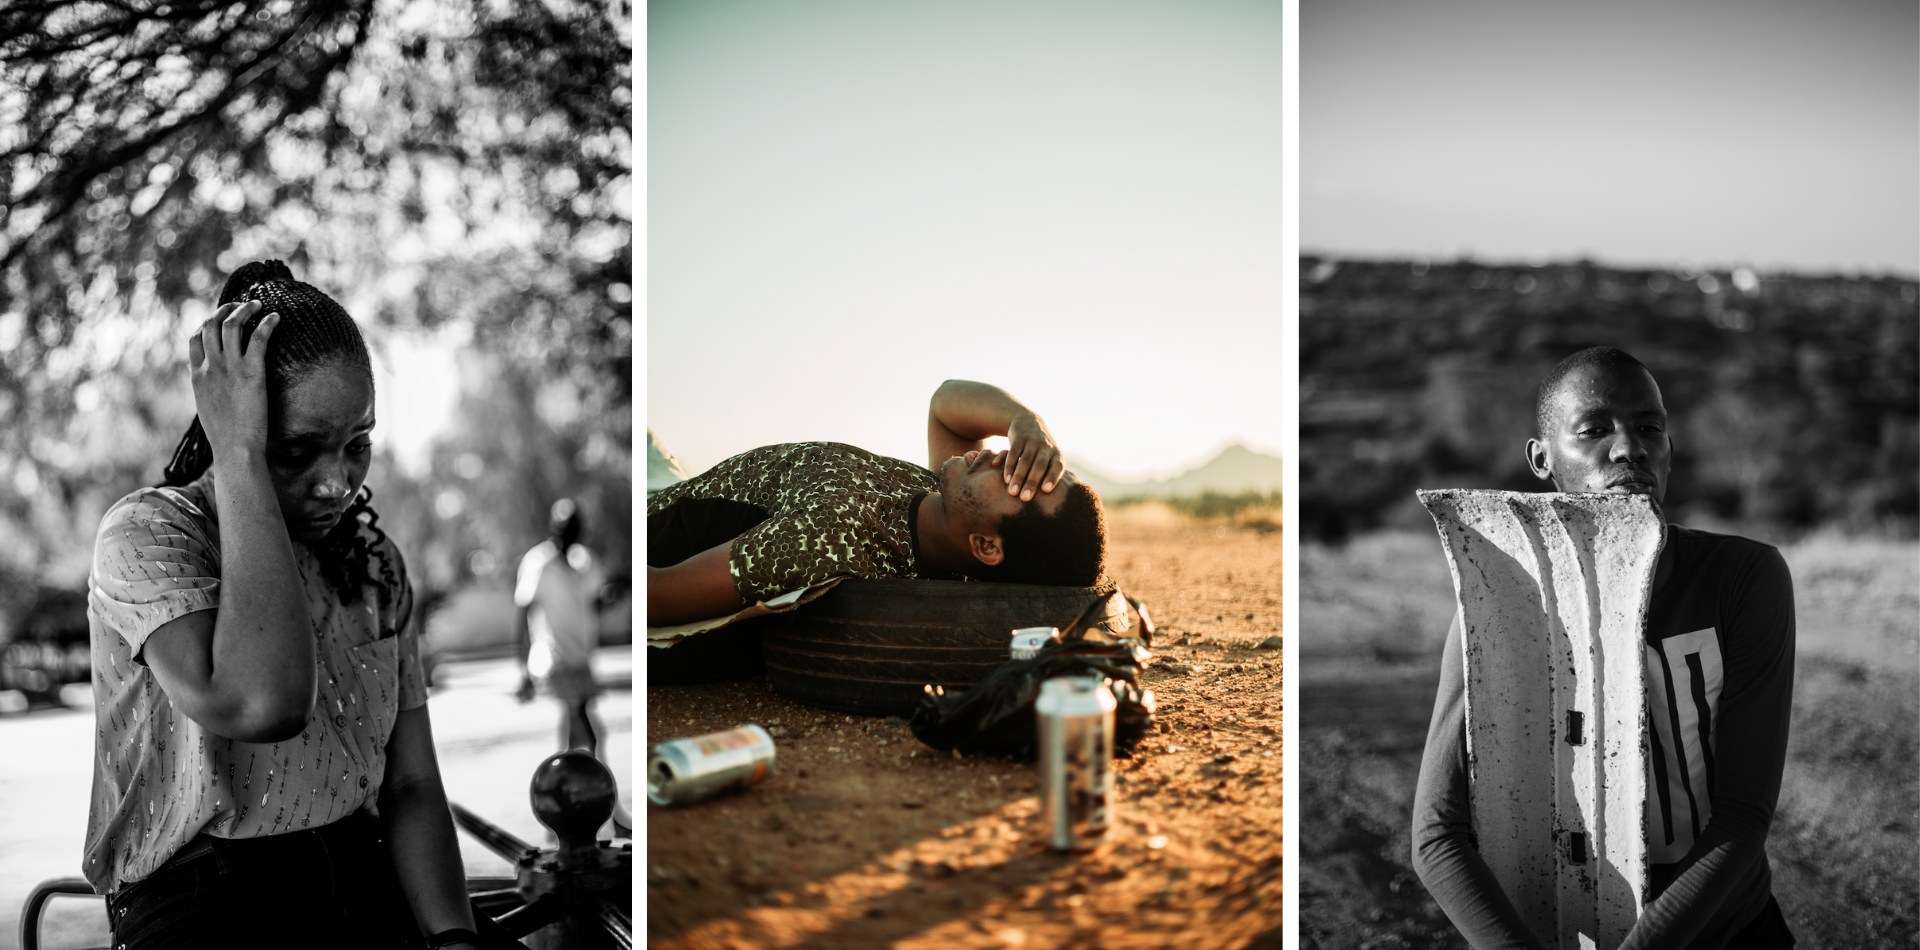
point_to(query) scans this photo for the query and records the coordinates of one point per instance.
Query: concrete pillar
(1553, 592)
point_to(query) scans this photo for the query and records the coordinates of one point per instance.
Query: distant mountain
(1236, 469)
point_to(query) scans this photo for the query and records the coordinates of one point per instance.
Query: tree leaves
(429, 162)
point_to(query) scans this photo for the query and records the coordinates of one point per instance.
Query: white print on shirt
(1684, 674)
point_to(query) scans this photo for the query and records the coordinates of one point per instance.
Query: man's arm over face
(963, 414)
(1750, 750)
(1443, 844)
(698, 588)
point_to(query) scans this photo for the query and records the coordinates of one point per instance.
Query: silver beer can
(1027, 641)
(1075, 715)
(684, 771)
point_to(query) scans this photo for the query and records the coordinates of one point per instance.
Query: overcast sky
(1716, 132)
(851, 201)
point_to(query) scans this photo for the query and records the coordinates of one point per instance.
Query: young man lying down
(785, 517)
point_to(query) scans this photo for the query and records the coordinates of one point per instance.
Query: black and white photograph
(316, 346)
(1608, 458)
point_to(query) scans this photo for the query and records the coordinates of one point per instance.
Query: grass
(1249, 509)
(1384, 597)
(1843, 844)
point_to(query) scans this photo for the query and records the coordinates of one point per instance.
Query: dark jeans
(731, 653)
(325, 887)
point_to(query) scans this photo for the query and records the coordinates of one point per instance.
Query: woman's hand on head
(230, 381)
(1032, 462)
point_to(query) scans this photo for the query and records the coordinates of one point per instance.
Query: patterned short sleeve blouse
(833, 510)
(159, 778)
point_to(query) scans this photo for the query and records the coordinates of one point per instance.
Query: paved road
(489, 745)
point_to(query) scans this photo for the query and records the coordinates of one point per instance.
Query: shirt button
(340, 721)
(363, 781)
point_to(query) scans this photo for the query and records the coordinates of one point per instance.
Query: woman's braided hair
(313, 330)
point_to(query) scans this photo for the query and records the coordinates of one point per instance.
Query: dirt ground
(863, 837)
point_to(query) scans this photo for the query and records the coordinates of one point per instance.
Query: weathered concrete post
(1553, 592)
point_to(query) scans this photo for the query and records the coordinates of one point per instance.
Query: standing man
(1718, 651)
(556, 623)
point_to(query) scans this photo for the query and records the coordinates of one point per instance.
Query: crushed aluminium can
(685, 771)
(1075, 717)
(1027, 641)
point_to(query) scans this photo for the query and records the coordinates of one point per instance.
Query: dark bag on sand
(996, 716)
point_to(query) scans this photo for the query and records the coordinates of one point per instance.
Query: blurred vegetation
(458, 170)
(1212, 505)
(1795, 399)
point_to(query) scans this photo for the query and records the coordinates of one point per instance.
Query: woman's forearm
(426, 855)
(261, 658)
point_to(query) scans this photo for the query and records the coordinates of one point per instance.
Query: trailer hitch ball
(573, 794)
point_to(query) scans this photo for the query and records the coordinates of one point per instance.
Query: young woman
(264, 772)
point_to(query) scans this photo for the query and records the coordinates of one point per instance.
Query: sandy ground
(863, 837)
(488, 746)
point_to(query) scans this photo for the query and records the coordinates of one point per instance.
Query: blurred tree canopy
(430, 163)
(1795, 398)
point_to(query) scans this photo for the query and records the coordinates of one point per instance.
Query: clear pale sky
(1715, 132)
(848, 202)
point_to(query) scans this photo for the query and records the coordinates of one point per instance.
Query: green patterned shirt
(832, 511)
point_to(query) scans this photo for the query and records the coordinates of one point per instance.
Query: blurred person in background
(1719, 647)
(556, 623)
(556, 628)
(264, 772)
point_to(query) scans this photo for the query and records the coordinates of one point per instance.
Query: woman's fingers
(230, 327)
(230, 378)
(257, 344)
(209, 337)
(220, 335)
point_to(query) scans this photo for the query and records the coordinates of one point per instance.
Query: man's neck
(939, 552)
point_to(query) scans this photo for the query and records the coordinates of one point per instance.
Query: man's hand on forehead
(1049, 487)
(1032, 462)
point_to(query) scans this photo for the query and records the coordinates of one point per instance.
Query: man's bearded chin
(954, 485)
(950, 475)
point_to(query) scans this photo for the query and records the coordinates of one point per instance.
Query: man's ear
(986, 549)
(1537, 459)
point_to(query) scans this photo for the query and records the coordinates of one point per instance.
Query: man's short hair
(1068, 548)
(1604, 356)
